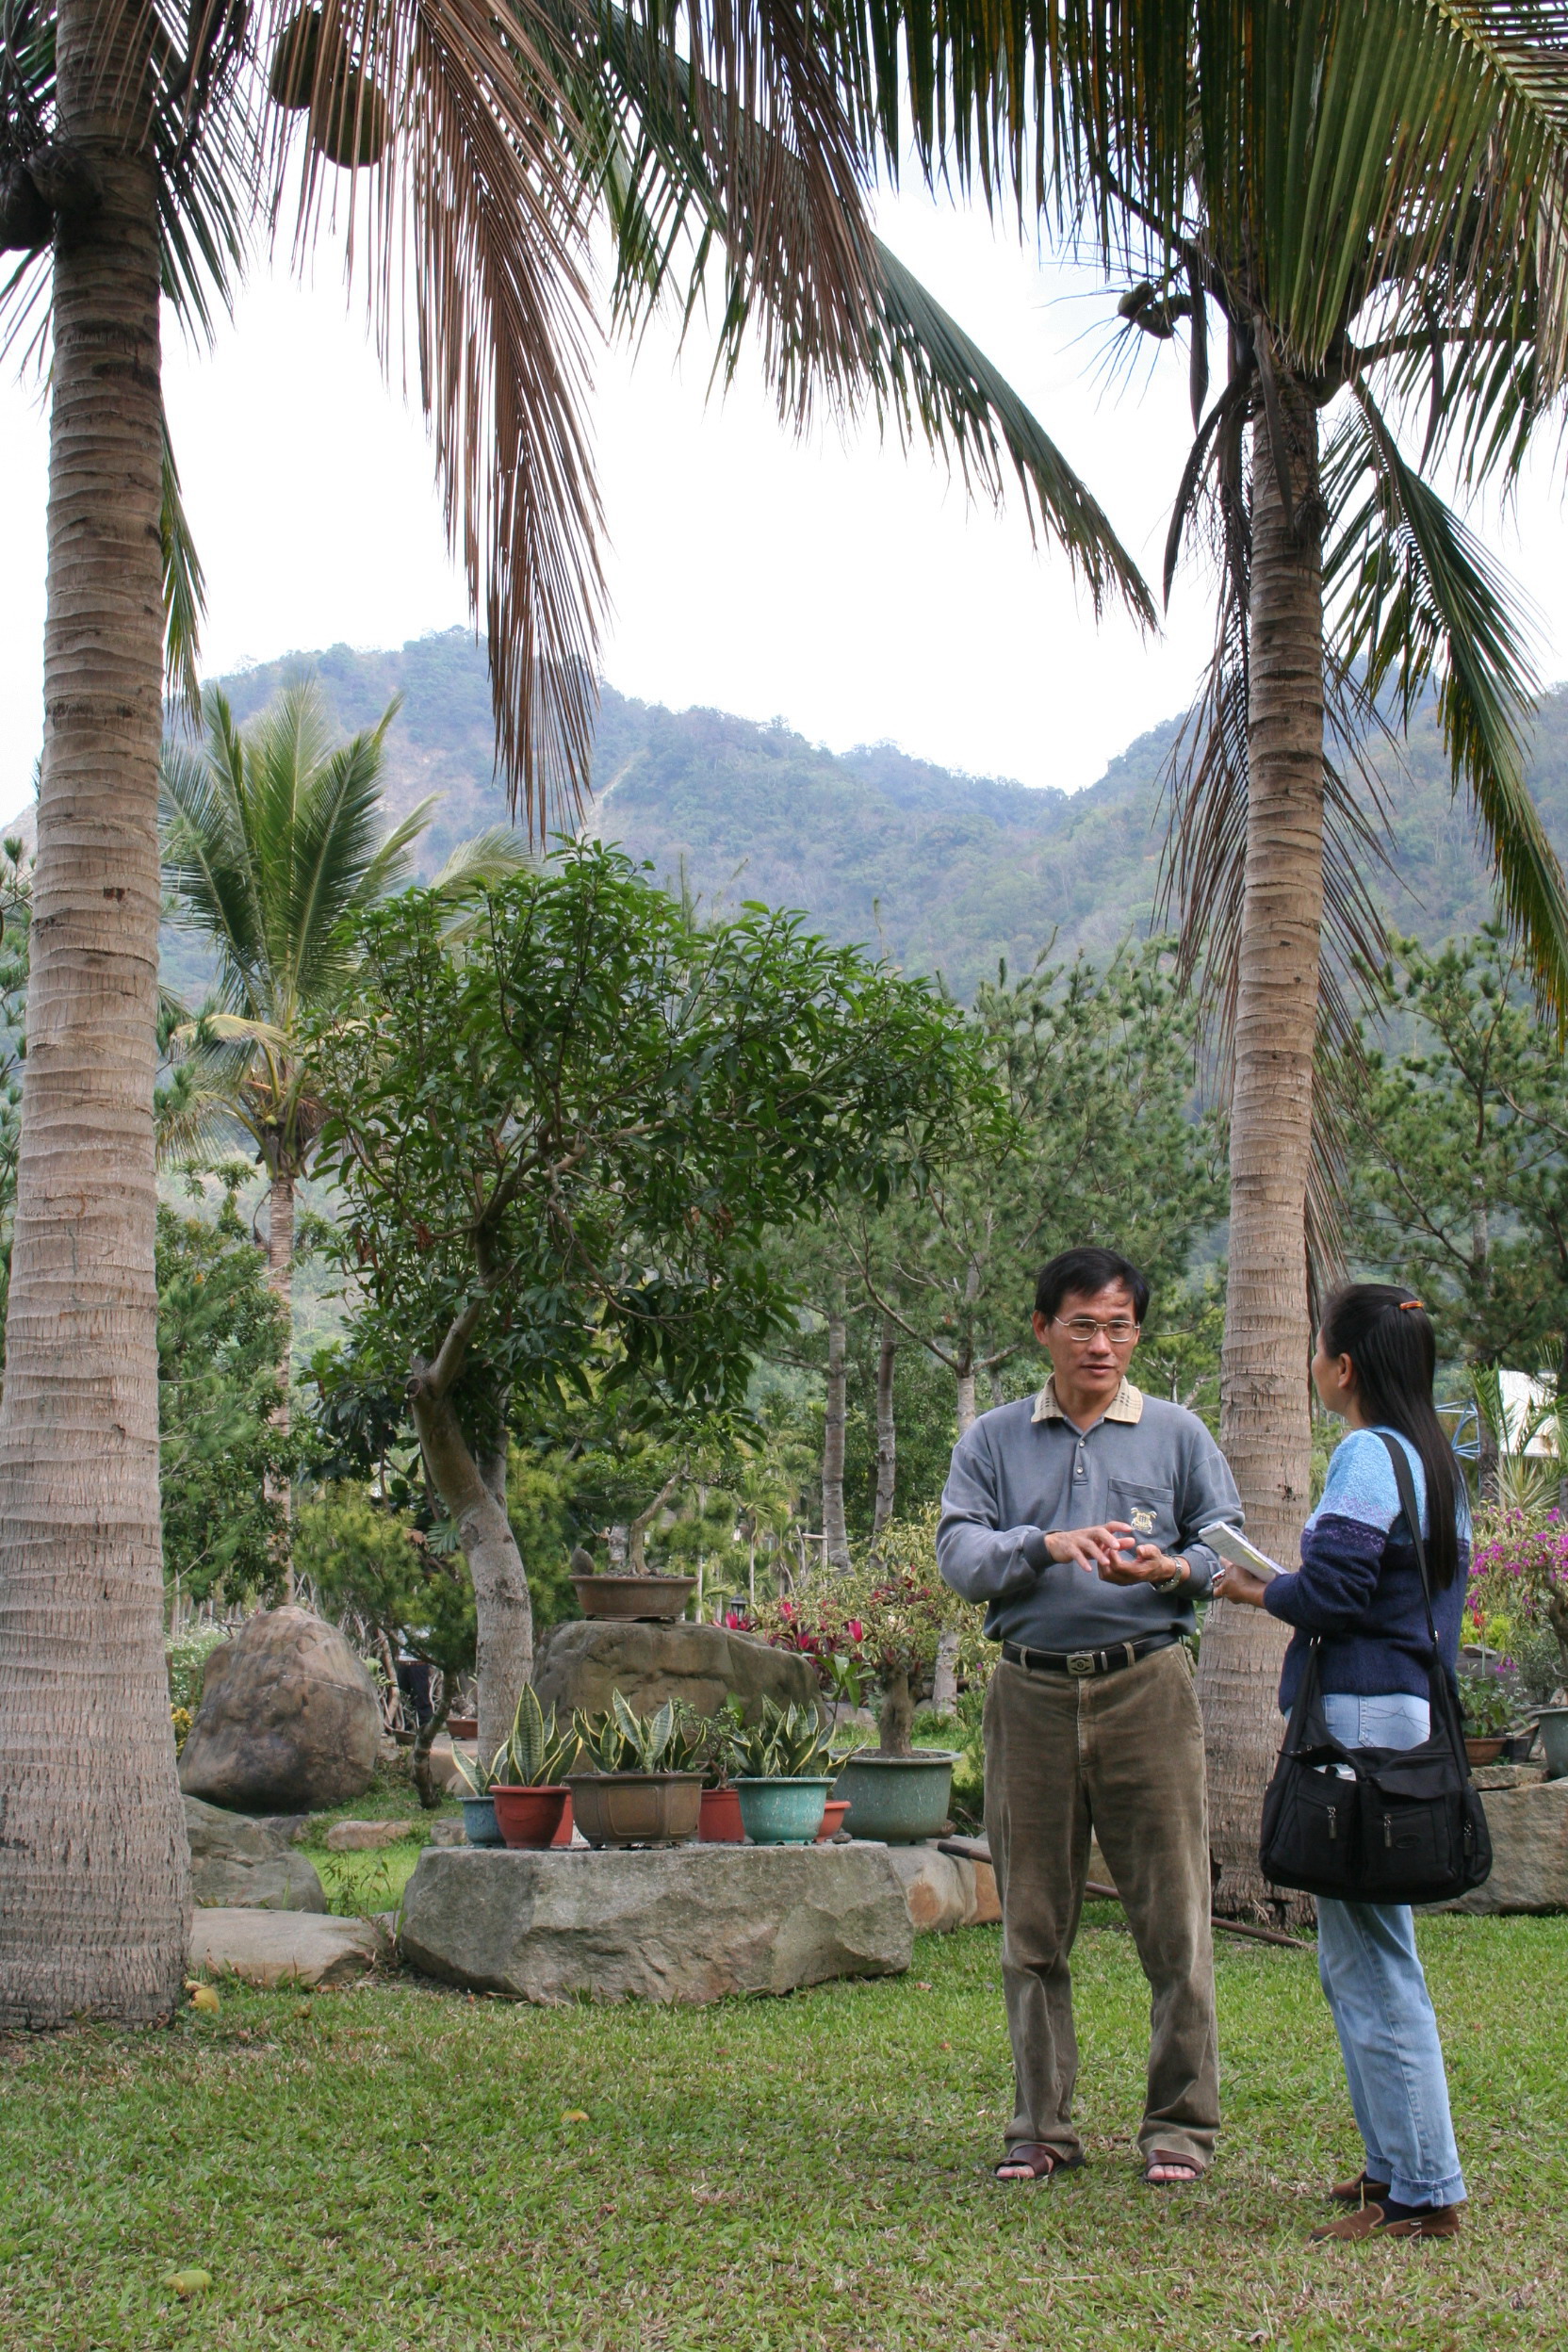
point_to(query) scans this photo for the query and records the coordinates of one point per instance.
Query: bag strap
(1439, 1679)
(1412, 1510)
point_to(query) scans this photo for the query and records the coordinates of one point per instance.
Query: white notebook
(1233, 1545)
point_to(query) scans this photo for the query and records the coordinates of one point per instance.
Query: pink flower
(857, 1630)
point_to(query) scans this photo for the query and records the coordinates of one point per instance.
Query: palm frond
(1417, 599)
(184, 594)
(484, 860)
(675, 193)
(476, 215)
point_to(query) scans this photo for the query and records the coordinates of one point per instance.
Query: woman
(1359, 1589)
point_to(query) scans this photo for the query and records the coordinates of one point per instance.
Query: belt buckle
(1079, 1661)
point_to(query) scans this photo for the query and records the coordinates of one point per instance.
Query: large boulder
(289, 1719)
(1530, 1850)
(277, 1947)
(945, 1890)
(241, 1864)
(582, 1662)
(683, 1923)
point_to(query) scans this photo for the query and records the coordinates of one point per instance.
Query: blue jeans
(1382, 2012)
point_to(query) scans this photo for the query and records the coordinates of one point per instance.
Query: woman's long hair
(1388, 1337)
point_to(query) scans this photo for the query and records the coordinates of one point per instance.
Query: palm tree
(137, 144)
(269, 846)
(1368, 196)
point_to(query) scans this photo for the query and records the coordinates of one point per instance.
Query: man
(1074, 1516)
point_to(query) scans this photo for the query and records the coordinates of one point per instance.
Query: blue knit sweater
(1359, 1585)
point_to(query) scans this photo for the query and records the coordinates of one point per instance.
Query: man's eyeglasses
(1081, 1329)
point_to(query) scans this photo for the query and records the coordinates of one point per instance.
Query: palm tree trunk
(887, 1430)
(279, 1281)
(1265, 1430)
(474, 1499)
(835, 1534)
(94, 1887)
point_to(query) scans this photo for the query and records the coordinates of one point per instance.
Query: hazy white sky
(850, 590)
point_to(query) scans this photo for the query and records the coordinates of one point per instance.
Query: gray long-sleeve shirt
(1026, 1471)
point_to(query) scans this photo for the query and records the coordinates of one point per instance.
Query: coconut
(352, 125)
(26, 222)
(292, 79)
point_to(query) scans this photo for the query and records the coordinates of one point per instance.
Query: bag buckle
(1081, 1661)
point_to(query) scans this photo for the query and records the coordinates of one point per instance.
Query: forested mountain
(946, 871)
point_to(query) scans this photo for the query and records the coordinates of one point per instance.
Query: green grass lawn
(398, 2167)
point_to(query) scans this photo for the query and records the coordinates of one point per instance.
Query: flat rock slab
(686, 1924)
(1529, 1851)
(365, 1836)
(282, 1948)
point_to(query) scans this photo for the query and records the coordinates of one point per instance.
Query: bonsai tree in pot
(886, 1618)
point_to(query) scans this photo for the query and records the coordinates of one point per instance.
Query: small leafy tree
(563, 1139)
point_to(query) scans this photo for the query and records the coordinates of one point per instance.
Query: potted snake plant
(480, 1825)
(639, 1789)
(528, 1784)
(779, 1764)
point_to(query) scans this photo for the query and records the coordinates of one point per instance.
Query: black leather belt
(1081, 1662)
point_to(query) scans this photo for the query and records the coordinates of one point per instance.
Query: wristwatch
(1168, 1584)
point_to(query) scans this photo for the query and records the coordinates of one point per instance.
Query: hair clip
(1405, 1304)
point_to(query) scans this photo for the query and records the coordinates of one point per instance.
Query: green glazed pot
(1554, 1740)
(782, 1812)
(480, 1825)
(898, 1799)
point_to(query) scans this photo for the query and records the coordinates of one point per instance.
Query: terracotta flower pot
(564, 1834)
(655, 1597)
(1484, 1750)
(832, 1818)
(529, 1817)
(720, 1824)
(462, 1726)
(637, 1809)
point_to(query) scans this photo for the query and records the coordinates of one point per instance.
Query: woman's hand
(1237, 1584)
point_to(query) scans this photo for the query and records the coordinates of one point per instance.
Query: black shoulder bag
(1377, 1824)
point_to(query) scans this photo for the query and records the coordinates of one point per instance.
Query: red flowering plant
(1519, 1579)
(882, 1622)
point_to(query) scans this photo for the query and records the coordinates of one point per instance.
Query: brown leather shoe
(1367, 2222)
(1363, 2190)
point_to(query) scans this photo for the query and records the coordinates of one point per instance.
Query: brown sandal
(1188, 2164)
(1363, 2190)
(1041, 2163)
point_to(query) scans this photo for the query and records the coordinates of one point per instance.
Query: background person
(1358, 1587)
(1074, 1516)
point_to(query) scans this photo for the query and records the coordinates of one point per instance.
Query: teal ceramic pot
(1554, 1741)
(898, 1799)
(782, 1812)
(479, 1824)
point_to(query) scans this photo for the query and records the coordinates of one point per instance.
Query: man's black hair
(1083, 1273)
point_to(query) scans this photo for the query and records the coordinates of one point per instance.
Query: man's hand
(1147, 1564)
(1089, 1548)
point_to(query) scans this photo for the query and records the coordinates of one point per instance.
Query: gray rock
(689, 1924)
(289, 1719)
(1529, 1851)
(289, 1884)
(217, 1836)
(582, 1662)
(448, 1834)
(242, 1864)
(367, 1836)
(945, 1891)
(282, 1948)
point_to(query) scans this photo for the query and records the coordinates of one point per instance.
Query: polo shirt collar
(1126, 1405)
